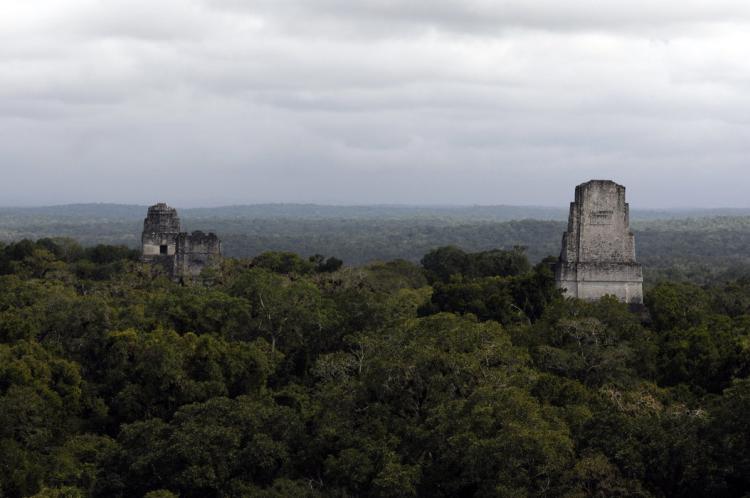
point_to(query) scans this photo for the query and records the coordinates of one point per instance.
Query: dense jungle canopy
(280, 375)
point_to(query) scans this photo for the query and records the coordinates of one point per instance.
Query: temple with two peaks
(181, 254)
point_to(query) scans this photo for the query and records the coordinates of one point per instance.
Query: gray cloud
(479, 101)
(485, 16)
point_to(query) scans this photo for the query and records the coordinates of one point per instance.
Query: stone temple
(598, 249)
(181, 254)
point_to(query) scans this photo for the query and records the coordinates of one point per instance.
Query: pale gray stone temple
(598, 249)
(181, 254)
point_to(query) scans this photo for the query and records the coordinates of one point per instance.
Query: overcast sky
(213, 102)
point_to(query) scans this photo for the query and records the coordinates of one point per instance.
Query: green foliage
(210, 448)
(323, 265)
(291, 263)
(160, 493)
(731, 435)
(145, 375)
(504, 299)
(445, 262)
(49, 255)
(488, 299)
(40, 399)
(674, 305)
(284, 262)
(285, 376)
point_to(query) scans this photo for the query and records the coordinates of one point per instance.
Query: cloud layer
(205, 102)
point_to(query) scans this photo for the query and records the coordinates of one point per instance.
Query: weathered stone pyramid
(598, 249)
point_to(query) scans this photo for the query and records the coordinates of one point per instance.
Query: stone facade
(598, 249)
(196, 251)
(181, 254)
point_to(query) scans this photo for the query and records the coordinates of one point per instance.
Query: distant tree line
(700, 250)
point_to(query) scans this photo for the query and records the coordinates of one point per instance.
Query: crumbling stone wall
(598, 249)
(179, 253)
(197, 251)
